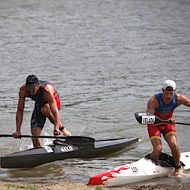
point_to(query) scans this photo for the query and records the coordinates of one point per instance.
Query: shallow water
(106, 59)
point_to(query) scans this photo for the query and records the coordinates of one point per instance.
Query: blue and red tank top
(165, 111)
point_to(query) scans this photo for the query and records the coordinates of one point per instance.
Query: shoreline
(68, 185)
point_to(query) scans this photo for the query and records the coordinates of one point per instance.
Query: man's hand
(173, 121)
(66, 133)
(57, 132)
(16, 134)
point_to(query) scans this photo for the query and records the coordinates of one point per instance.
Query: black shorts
(38, 119)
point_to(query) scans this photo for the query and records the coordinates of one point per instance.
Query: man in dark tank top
(47, 105)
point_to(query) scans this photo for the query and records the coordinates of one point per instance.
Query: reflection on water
(50, 172)
(37, 172)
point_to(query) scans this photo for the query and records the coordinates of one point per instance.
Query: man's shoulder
(179, 96)
(23, 87)
(153, 102)
(23, 91)
(49, 87)
(48, 90)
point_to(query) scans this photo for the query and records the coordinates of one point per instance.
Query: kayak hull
(61, 150)
(141, 170)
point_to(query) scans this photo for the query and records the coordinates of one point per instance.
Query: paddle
(75, 140)
(145, 118)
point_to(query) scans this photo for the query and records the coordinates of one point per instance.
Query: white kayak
(141, 170)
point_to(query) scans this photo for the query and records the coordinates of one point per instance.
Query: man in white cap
(163, 105)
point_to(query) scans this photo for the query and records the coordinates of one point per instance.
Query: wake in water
(26, 143)
(183, 174)
(183, 177)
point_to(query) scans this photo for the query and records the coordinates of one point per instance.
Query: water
(106, 59)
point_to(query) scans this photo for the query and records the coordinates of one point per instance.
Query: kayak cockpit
(165, 160)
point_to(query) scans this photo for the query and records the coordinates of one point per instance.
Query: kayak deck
(141, 170)
(61, 150)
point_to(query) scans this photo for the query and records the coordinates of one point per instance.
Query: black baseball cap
(31, 81)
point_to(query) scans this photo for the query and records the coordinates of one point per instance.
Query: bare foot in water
(177, 172)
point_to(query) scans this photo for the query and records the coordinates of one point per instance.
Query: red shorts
(155, 131)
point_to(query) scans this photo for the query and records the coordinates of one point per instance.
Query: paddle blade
(146, 118)
(80, 140)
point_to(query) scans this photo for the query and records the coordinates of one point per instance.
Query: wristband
(61, 128)
(56, 130)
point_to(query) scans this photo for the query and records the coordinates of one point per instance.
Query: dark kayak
(61, 150)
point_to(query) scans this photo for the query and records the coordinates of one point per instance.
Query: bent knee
(45, 110)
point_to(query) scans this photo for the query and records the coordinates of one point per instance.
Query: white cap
(169, 85)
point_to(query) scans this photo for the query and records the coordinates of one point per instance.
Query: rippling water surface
(106, 59)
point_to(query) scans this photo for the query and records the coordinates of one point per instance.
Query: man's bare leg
(172, 142)
(157, 148)
(36, 141)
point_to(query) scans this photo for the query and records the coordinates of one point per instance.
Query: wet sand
(68, 186)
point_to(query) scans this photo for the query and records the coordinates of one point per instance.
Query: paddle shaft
(32, 136)
(75, 140)
(169, 121)
(146, 118)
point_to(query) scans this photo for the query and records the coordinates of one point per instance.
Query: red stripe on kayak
(103, 178)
